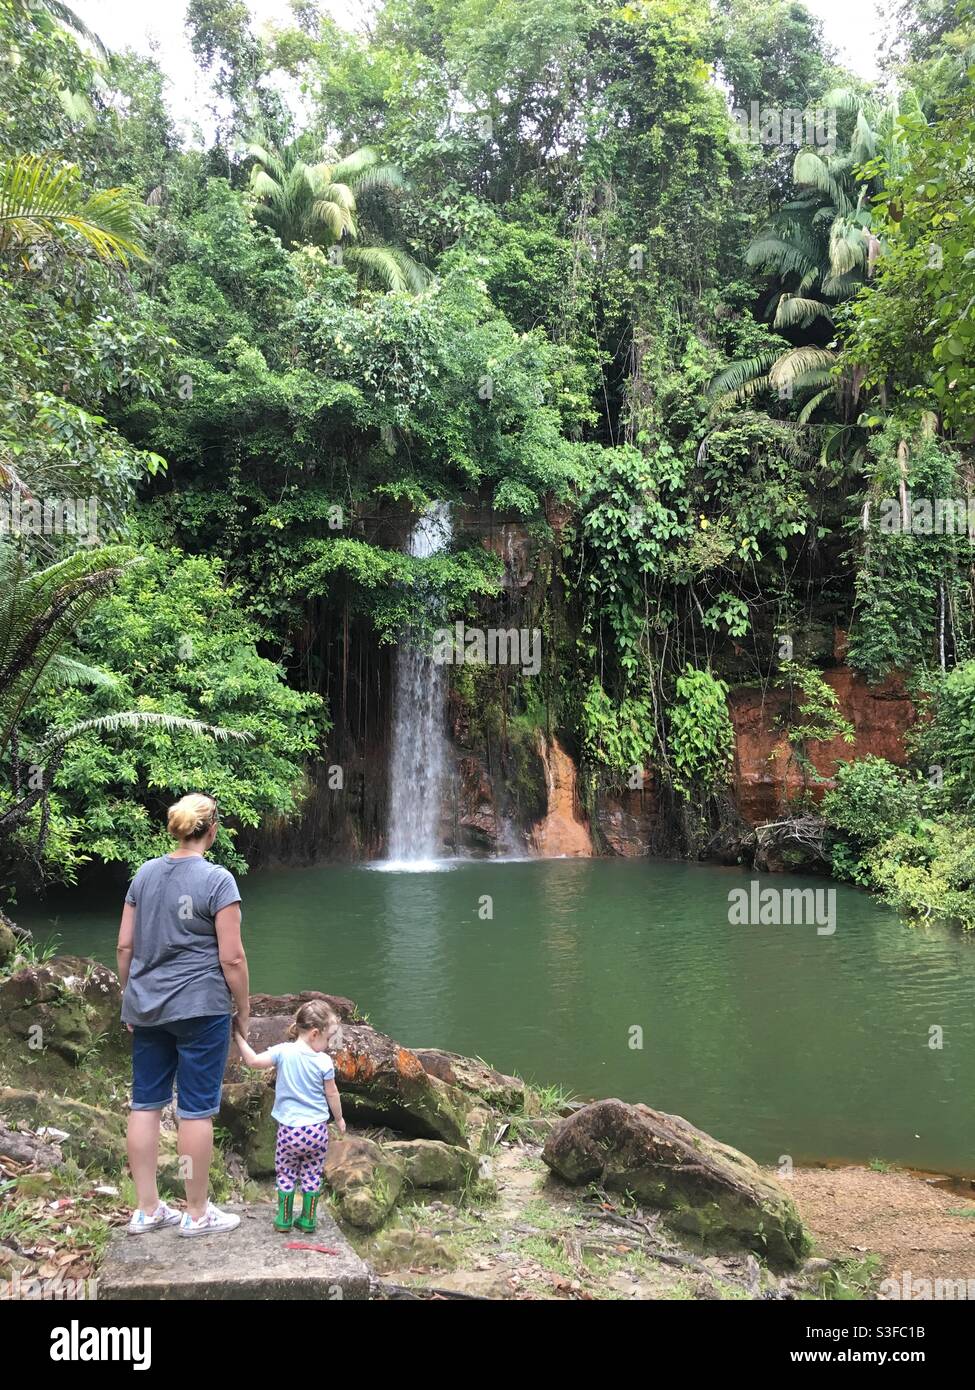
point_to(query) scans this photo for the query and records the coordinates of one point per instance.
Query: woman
(183, 969)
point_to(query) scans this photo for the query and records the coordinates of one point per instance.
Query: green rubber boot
(285, 1218)
(307, 1221)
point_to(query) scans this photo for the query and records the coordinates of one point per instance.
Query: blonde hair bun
(191, 817)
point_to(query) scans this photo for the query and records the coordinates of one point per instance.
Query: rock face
(704, 1187)
(764, 777)
(366, 1180)
(562, 832)
(473, 1076)
(64, 1010)
(628, 821)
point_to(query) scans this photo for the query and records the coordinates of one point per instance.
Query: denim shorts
(191, 1050)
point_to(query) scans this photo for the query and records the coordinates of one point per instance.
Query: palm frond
(390, 268)
(42, 200)
(811, 171)
(798, 367)
(737, 374)
(793, 310)
(135, 719)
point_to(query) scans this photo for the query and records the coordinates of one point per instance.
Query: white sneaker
(143, 1221)
(213, 1222)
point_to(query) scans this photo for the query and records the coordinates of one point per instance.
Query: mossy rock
(703, 1187)
(366, 1181)
(476, 1078)
(427, 1163)
(95, 1137)
(245, 1113)
(57, 1016)
(8, 944)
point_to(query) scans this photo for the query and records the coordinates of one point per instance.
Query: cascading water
(418, 765)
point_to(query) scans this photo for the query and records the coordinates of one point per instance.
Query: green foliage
(176, 642)
(930, 874)
(617, 735)
(945, 735)
(913, 594)
(700, 738)
(871, 801)
(912, 333)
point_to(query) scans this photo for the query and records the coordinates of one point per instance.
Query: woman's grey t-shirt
(175, 971)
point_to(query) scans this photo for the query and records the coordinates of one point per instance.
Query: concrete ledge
(249, 1263)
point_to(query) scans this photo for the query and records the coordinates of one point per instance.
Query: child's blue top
(299, 1096)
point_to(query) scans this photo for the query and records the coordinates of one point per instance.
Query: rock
(66, 1008)
(482, 1126)
(12, 1262)
(705, 1187)
(562, 832)
(29, 1149)
(253, 1262)
(476, 1077)
(8, 944)
(95, 1138)
(767, 777)
(245, 1112)
(429, 1163)
(382, 1083)
(628, 820)
(410, 1250)
(274, 1004)
(365, 1179)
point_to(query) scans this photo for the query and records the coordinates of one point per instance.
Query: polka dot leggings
(299, 1157)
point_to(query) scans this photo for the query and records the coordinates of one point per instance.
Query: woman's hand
(242, 1023)
(340, 1126)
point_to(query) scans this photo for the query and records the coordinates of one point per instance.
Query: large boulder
(382, 1083)
(61, 1011)
(473, 1076)
(365, 1179)
(428, 1163)
(705, 1188)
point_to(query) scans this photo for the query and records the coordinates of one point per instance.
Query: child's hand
(340, 1124)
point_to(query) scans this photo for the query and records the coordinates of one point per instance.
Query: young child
(305, 1097)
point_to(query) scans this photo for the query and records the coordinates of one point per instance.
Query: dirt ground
(913, 1222)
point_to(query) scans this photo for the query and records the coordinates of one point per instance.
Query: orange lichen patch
(408, 1064)
(355, 1066)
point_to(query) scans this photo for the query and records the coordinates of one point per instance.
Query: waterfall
(418, 764)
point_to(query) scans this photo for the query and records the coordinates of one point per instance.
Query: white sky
(853, 28)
